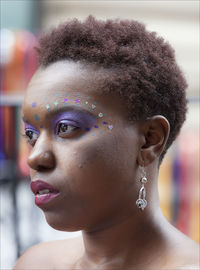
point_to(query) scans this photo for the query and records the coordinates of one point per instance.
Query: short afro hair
(145, 72)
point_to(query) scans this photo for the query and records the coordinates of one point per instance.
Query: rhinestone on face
(37, 118)
(100, 114)
(110, 127)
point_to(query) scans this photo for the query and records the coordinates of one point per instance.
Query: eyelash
(31, 141)
(35, 134)
(64, 133)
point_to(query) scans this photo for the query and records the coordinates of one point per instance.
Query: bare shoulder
(51, 255)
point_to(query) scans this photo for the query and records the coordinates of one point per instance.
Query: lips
(43, 191)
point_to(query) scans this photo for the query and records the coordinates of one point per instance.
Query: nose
(41, 157)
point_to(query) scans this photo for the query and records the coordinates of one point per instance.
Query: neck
(130, 238)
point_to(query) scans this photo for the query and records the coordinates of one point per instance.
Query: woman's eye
(63, 129)
(32, 136)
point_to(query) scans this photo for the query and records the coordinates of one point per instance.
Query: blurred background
(22, 223)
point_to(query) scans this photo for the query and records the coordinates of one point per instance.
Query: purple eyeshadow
(77, 118)
(28, 126)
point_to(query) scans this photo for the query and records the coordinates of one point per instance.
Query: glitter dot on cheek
(34, 104)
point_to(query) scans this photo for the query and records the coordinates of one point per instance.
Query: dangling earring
(141, 202)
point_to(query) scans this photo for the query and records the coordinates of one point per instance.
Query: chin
(61, 224)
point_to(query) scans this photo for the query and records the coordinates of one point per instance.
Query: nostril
(41, 168)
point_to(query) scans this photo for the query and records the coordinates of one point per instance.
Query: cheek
(93, 168)
(93, 177)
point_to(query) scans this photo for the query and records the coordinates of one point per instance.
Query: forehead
(65, 76)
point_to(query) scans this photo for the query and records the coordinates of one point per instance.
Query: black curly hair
(144, 70)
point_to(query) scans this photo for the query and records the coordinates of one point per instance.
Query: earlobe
(155, 132)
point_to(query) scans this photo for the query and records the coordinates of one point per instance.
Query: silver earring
(141, 202)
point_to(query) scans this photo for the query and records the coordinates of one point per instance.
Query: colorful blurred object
(179, 184)
(18, 63)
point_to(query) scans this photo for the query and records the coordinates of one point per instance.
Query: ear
(154, 134)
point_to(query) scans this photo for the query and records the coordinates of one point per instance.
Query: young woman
(105, 104)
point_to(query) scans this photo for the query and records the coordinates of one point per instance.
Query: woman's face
(82, 145)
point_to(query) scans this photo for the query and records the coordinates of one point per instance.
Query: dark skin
(100, 179)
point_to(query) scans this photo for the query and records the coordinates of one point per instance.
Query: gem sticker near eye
(77, 100)
(105, 123)
(34, 104)
(86, 102)
(56, 103)
(100, 114)
(48, 107)
(65, 100)
(95, 126)
(93, 106)
(110, 127)
(37, 118)
(87, 129)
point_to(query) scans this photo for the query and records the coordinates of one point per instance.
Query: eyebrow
(57, 110)
(71, 108)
